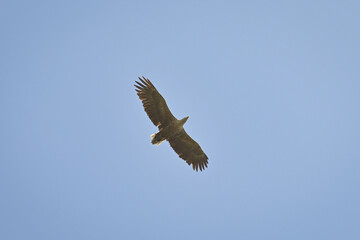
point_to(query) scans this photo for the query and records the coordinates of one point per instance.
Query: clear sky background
(272, 89)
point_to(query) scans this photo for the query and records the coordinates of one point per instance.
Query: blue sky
(272, 89)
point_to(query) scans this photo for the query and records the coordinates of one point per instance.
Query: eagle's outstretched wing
(154, 104)
(189, 150)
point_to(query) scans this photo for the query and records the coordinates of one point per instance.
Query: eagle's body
(170, 128)
(168, 132)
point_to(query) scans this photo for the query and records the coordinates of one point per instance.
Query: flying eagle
(170, 128)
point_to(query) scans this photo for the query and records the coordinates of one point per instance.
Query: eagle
(170, 128)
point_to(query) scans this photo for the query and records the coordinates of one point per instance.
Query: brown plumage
(170, 128)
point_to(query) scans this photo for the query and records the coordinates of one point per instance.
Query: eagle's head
(183, 121)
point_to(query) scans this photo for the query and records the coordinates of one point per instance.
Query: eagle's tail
(155, 139)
